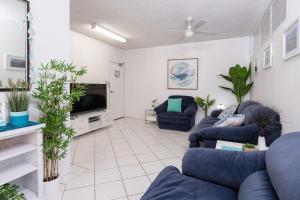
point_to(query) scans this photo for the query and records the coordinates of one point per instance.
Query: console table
(21, 158)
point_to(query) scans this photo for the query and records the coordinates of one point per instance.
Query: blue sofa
(210, 174)
(258, 119)
(183, 121)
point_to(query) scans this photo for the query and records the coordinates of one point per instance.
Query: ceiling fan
(190, 31)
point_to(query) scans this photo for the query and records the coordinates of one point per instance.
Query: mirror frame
(27, 53)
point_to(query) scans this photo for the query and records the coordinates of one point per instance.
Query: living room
(157, 97)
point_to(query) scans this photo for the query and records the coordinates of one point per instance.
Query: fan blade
(199, 24)
(204, 33)
(174, 30)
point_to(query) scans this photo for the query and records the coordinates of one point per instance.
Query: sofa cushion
(257, 186)
(172, 185)
(172, 117)
(245, 104)
(283, 166)
(186, 100)
(174, 105)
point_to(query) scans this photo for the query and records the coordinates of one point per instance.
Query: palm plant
(238, 76)
(10, 192)
(55, 103)
(205, 104)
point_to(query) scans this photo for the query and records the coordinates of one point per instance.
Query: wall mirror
(14, 43)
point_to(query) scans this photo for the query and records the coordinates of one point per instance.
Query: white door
(116, 90)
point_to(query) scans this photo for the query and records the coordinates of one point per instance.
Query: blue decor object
(183, 73)
(2, 123)
(174, 105)
(10, 127)
(19, 118)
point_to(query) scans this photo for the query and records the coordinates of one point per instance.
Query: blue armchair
(177, 121)
(210, 174)
(258, 119)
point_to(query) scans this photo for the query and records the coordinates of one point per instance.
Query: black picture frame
(197, 74)
(27, 67)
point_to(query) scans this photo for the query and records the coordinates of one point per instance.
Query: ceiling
(143, 22)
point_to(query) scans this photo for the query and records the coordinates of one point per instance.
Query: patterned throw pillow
(233, 121)
(228, 112)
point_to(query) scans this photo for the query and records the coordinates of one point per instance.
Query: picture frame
(291, 40)
(14, 62)
(268, 57)
(182, 74)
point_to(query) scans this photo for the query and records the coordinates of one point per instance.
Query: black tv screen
(95, 98)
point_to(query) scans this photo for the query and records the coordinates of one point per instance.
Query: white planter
(262, 143)
(51, 189)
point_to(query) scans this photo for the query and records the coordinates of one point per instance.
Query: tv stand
(90, 121)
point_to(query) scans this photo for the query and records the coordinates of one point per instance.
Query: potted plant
(10, 192)
(18, 100)
(249, 147)
(205, 104)
(55, 103)
(238, 76)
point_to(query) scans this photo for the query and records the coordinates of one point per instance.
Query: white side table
(150, 115)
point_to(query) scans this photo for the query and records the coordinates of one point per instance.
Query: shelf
(16, 150)
(28, 194)
(14, 172)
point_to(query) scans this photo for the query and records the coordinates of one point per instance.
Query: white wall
(278, 86)
(95, 55)
(146, 71)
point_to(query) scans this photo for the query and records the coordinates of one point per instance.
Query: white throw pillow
(235, 120)
(228, 112)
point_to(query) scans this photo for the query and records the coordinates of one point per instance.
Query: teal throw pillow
(174, 105)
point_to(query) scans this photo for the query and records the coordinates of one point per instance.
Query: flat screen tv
(95, 98)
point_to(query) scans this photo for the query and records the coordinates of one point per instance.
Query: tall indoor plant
(239, 78)
(205, 104)
(55, 102)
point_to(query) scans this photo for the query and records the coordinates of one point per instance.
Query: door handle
(112, 91)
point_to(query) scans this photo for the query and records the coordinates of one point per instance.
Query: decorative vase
(51, 189)
(262, 143)
(19, 118)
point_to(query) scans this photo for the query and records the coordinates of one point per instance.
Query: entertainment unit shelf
(90, 121)
(21, 159)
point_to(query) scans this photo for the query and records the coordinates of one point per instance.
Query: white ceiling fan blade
(204, 33)
(174, 30)
(199, 24)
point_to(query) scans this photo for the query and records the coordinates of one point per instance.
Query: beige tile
(129, 160)
(86, 193)
(108, 191)
(108, 175)
(153, 167)
(146, 157)
(131, 171)
(82, 180)
(136, 185)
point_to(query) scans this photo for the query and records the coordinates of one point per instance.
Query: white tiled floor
(121, 161)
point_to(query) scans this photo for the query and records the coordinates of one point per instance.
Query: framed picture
(183, 74)
(13, 62)
(268, 57)
(291, 40)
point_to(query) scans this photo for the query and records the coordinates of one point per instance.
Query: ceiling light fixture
(108, 33)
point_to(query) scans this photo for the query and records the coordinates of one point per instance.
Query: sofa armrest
(228, 168)
(215, 113)
(191, 110)
(242, 134)
(161, 108)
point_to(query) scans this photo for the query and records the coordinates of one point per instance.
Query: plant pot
(51, 189)
(262, 143)
(19, 118)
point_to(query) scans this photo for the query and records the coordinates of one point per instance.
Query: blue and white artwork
(183, 74)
